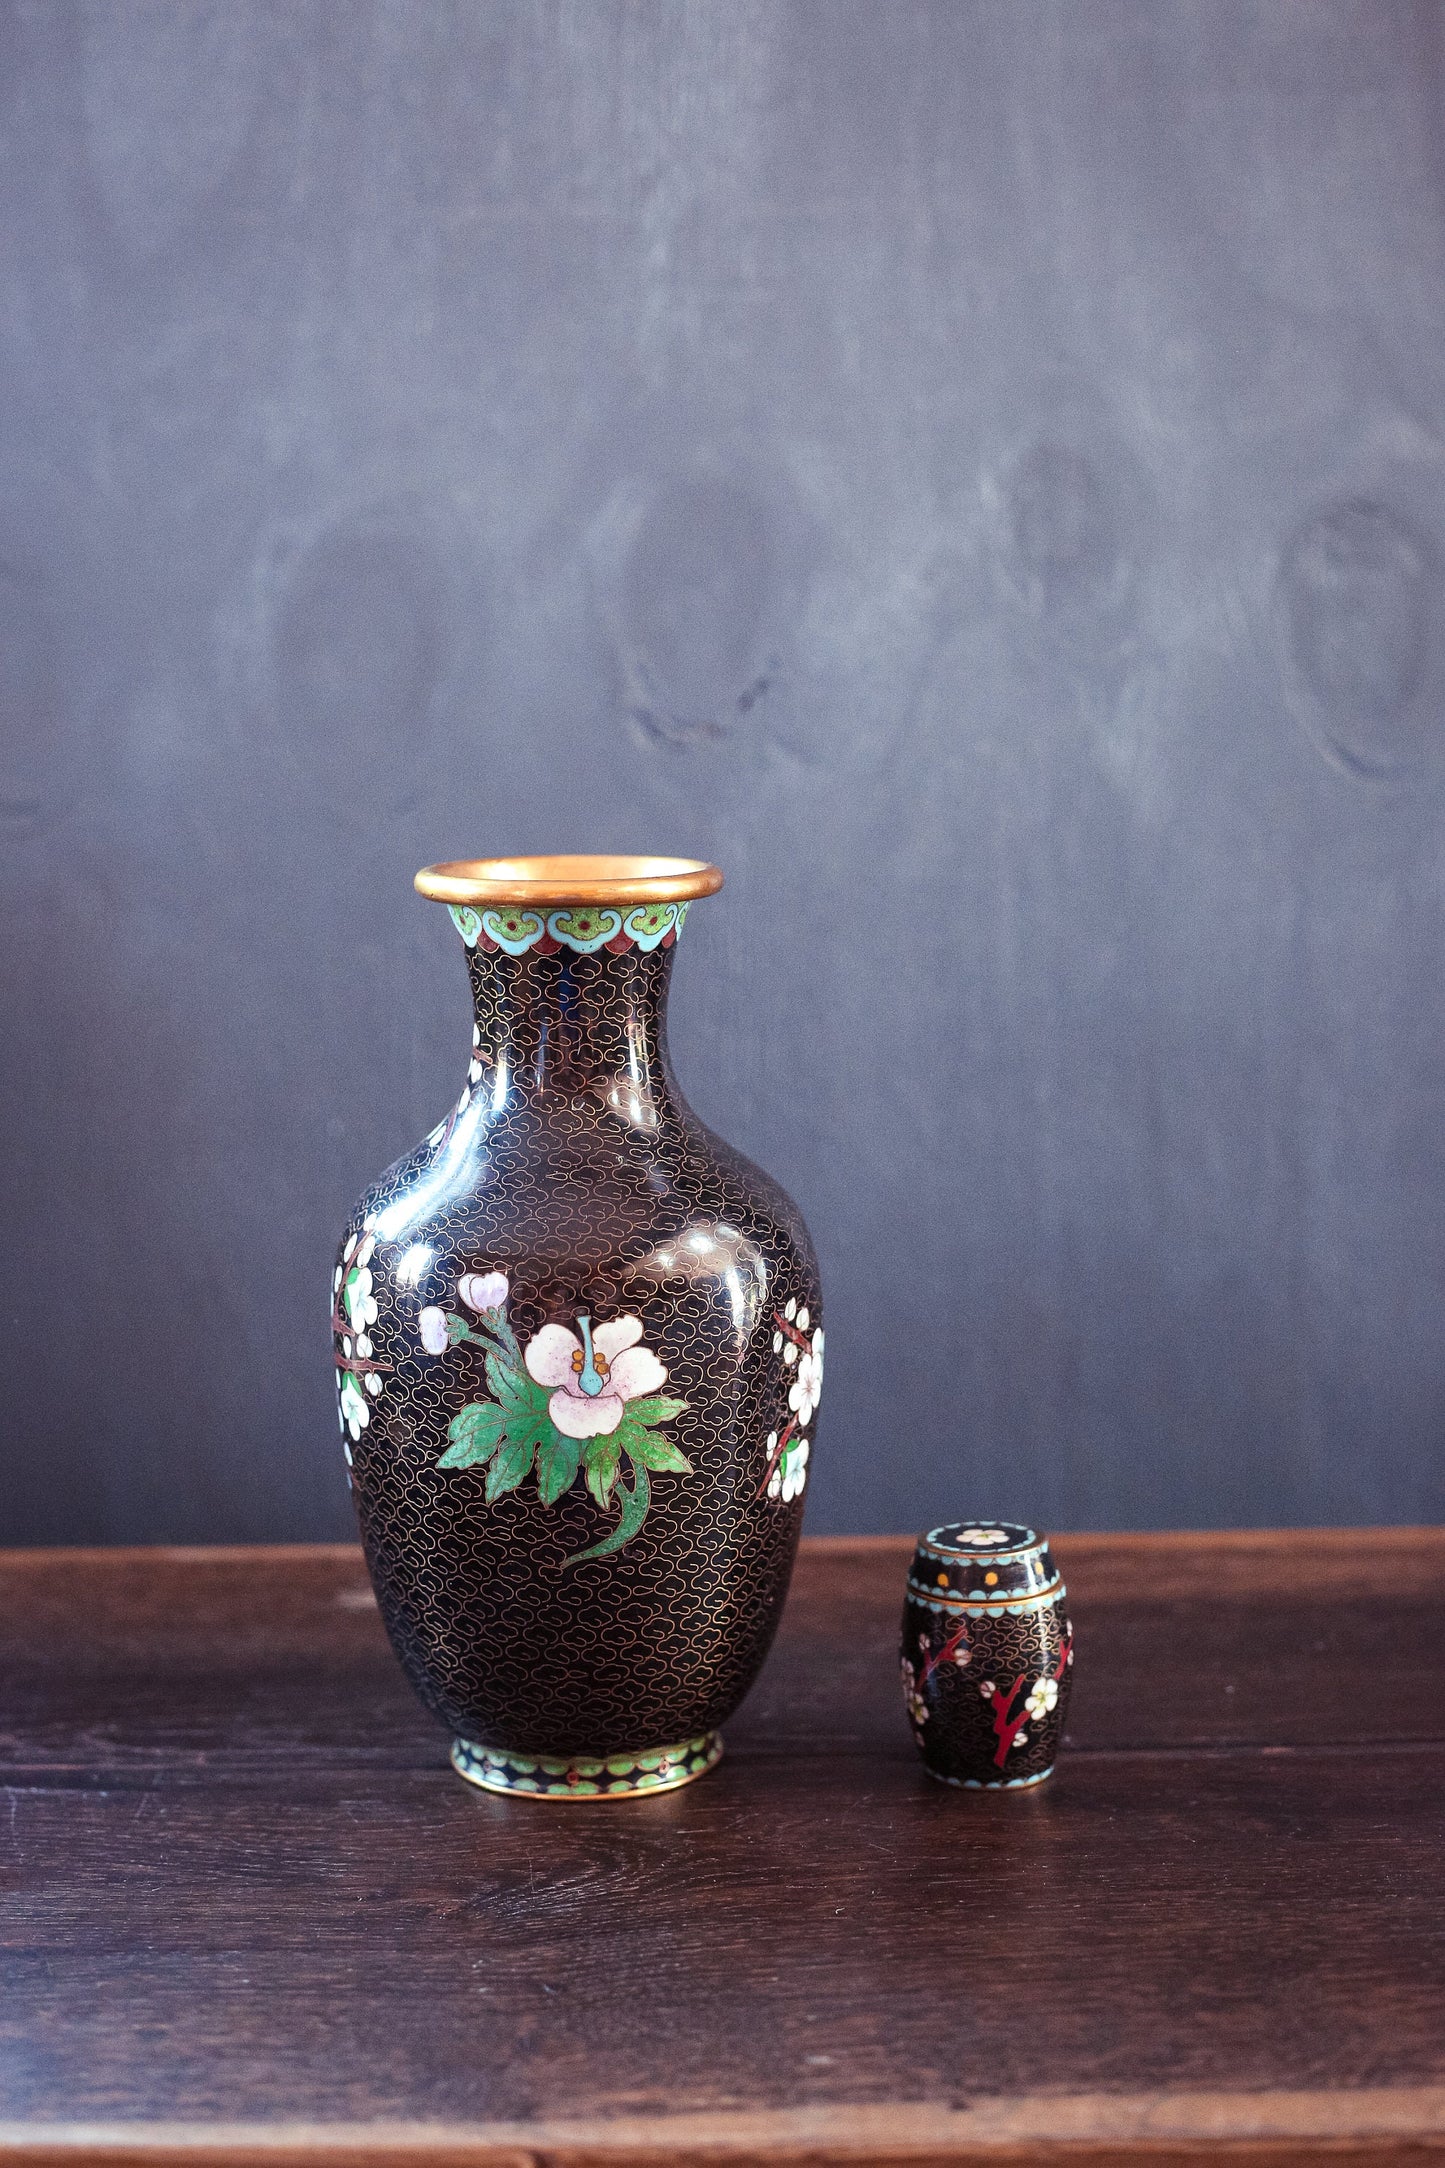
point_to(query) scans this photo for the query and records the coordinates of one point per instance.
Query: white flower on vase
(355, 1409)
(431, 1324)
(594, 1376)
(357, 1299)
(806, 1389)
(913, 1699)
(1043, 1696)
(790, 1475)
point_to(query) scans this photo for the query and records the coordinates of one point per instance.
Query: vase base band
(587, 1776)
(991, 1784)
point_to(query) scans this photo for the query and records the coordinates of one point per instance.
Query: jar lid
(982, 1562)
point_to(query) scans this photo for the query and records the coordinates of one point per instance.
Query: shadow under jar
(579, 1353)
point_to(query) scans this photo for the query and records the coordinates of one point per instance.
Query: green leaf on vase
(510, 1468)
(528, 1425)
(475, 1435)
(649, 1449)
(602, 1458)
(557, 1459)
(457, 1329)
(634, 1513)
(510, 1386)
(656, 1408)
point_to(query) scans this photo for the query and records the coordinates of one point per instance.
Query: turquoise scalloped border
(514, 928)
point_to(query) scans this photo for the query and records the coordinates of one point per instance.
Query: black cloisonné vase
(988, 1655)
(579, 1352)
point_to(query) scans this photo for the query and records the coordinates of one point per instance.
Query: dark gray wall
(974, 470)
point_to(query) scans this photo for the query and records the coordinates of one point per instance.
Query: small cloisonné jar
(988, 1653)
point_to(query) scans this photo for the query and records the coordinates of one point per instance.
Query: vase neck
(583, 1013)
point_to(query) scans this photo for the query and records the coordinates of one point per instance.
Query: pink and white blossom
(482, 1291)
(432, 1325)
(556, 1357)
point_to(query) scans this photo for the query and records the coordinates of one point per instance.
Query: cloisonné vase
(579, 1353)
(987, 1656)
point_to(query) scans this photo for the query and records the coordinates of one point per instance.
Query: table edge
(1395, 1536)
(1365, 2124)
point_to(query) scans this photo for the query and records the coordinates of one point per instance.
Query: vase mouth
(569, 879)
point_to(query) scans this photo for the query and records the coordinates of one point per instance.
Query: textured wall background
(976, 471)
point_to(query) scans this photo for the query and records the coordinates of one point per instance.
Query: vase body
(579, 1353)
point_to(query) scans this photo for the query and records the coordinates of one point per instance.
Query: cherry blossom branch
(1064, 1654)
(777, 1453)
(799, 1339)
(956, 1640)
(361, 1364)
(1007, 1728)
(345, 1330)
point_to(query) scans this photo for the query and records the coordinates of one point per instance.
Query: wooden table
(250, 1913)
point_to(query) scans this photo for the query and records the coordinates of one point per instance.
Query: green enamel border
(587, 1776)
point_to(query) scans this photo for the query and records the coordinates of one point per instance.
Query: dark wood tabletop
(249, 1912)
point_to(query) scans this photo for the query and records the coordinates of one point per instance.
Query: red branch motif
(799, 1340)
(957, 1640)
(1007, 1727)
(1064, 1654)
(776, 1455)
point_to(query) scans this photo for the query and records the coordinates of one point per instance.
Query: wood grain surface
(247, 1911)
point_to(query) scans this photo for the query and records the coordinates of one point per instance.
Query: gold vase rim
(569, 878)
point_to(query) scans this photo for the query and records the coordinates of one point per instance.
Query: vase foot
(586, 1776)
(991, 1784)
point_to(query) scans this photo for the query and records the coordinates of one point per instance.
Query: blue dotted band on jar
(978, 1603)
(1003, 1784)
